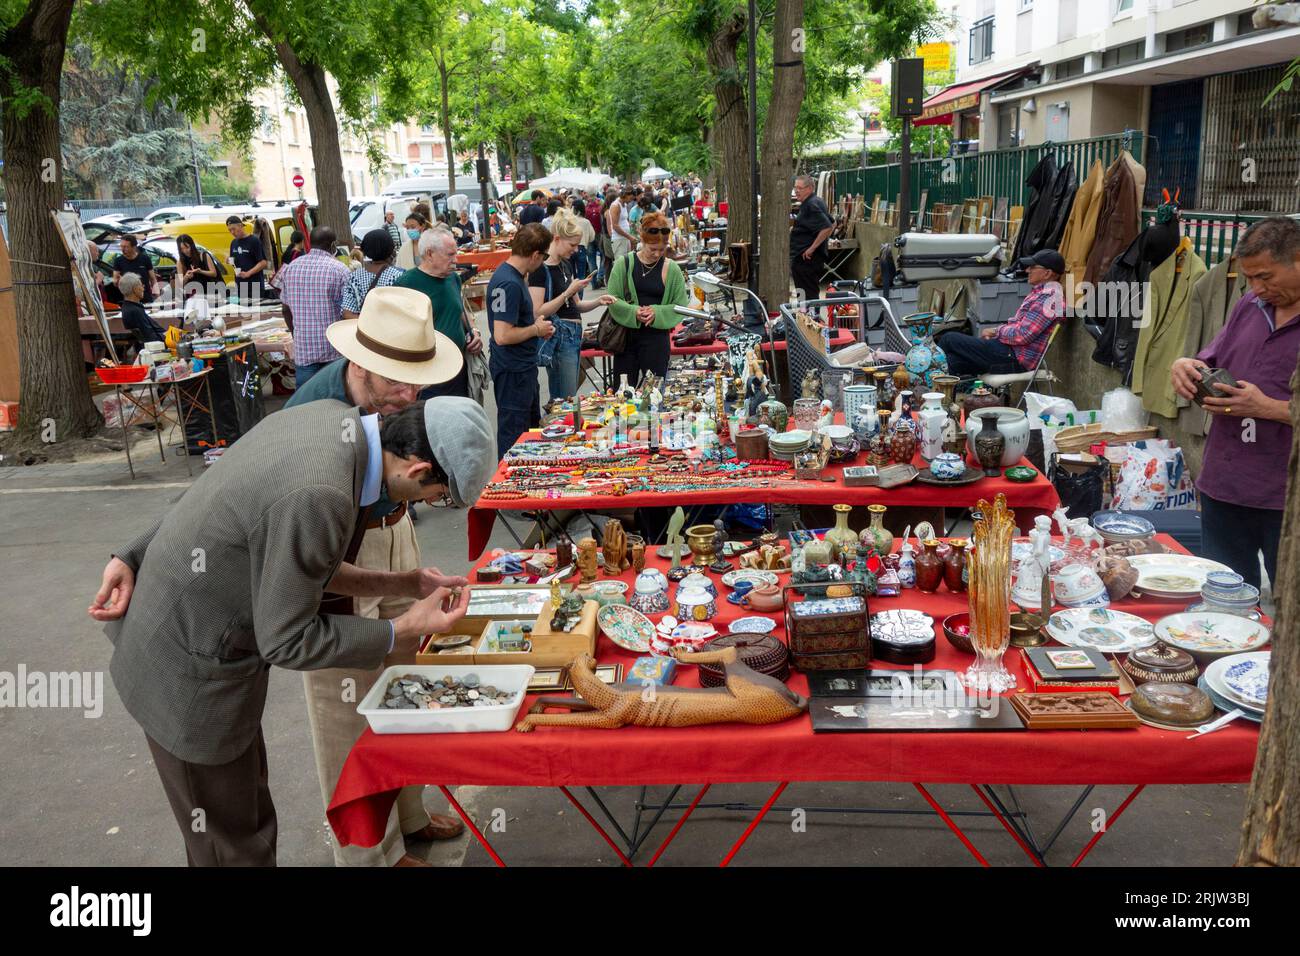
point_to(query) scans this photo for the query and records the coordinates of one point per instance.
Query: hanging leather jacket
(1119, 219)
(1034, 226)
(1063, 190)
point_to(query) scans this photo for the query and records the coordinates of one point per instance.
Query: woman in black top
(198, 271)
(297, 247)
(647, 284)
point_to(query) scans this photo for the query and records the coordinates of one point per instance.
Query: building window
(981, 41)
(1120, 55)
(1026, 5)
(266, 123)
(1246, 23)
(1122, 6)
(1008, 126)
(1067, 69)
(1186, 39)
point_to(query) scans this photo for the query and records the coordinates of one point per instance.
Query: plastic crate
(123, 374)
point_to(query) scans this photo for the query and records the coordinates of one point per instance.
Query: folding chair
(1029, 378)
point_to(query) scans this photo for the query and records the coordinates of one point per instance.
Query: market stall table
(486, 259)
(379, 765)
(1028, 498)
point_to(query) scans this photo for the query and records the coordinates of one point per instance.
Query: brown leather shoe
(408, 860)
(440, 827)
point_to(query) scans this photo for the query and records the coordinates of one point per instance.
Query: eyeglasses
(656, 231)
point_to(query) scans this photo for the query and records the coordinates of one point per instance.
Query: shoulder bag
(477, 373)
(610, 336)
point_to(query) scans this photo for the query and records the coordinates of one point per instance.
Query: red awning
(938, 109)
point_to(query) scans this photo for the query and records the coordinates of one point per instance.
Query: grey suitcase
(923, 255)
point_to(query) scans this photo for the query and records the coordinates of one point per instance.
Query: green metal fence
(1000, 173)
(1214, 235)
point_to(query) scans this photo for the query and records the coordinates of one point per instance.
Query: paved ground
(80, 791)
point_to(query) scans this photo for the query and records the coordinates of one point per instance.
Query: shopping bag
(1079, 487)
(1153, 477)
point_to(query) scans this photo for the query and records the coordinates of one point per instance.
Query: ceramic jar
(989, 444)
(697, 579)
(932, 420)
(859, 409)
(1013, 424)
(876, 535)
(977, 398)
(907, 565)
(902, 441)
(841, 537)
(694, 604)
(929, 567)
(806, 413)
(751, 444)
(954, 566)
(947, 467)
(775, 414)
(818, 551)
(1161, 663)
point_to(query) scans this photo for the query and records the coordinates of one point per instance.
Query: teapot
(765, 597)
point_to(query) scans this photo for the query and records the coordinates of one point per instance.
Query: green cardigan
(622, 288)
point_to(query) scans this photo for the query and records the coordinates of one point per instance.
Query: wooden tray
(1079, 710)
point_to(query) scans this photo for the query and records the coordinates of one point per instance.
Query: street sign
(298, 181)
(937, 56)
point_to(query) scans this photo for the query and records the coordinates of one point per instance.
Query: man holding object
(230, 581)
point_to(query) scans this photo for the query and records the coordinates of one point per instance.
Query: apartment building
(281, 149)
(1192, 75)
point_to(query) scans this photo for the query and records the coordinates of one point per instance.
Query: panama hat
(394, 337)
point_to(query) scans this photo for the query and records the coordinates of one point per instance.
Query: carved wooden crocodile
(746, 697)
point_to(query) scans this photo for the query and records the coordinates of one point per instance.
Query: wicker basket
(1079, 438)
(760, 652)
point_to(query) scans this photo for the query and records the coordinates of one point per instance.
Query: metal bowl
(958, 639)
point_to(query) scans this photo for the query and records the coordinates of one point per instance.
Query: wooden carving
(746, 697)
(615, 548)
(587, 559)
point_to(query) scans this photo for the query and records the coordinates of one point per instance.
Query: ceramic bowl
(1116, 526)
(651, 580)
(1208, 636)
(1078, 585)
(697, 579)
(947, 466)
(694, 604)
(1014, 426)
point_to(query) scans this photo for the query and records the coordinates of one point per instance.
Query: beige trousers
(333, 695)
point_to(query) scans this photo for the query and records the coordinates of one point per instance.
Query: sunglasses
(656, 231)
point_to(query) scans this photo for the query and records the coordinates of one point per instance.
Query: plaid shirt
(312, 287)
(361, 281)
(1029, 328)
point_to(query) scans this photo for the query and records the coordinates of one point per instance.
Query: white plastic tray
(457, 720)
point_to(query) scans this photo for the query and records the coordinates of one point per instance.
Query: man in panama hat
(390, 352)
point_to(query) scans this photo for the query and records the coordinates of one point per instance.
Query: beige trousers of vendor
(621, 246)
(333, 695)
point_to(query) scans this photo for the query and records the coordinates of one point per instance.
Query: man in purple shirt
(1243, 476)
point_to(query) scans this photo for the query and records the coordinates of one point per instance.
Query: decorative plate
(744, 574)
(1022, 473)
(666, 552)
(1021, 548)
(626, 627)
(1211, 633)
(1122, 525)
(902, 627)
(1246, 678)
(1101, 628)
(969, 476)
(752, 625)
(1225, 704)
(619, 587)
(1172, 575)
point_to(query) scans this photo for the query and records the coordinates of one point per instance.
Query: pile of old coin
(413, 692)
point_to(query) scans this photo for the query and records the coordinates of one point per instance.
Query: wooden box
(828, 633)
(548, 650)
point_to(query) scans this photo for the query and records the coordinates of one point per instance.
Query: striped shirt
(361, 281)
(312, 287)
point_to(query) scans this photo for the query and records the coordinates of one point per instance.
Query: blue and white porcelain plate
(1241, 678)
(752, 625)
(1116, 522)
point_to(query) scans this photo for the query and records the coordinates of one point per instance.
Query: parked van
(273, 227)
(367, 212)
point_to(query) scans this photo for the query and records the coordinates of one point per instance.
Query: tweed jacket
(1164, 330)
(1213, 297)
(229, 582)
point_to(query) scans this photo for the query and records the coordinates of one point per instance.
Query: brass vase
(842, 538)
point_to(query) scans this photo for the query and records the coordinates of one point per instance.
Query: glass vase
(988, 572)
(834, 381)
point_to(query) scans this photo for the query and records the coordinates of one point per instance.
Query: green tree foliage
(119, 138)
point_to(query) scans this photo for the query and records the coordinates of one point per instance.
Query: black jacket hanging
(1033, 227)
(1063, 190)
(1118, 303)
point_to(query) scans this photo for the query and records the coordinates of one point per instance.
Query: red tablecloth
(379, 766)
(484, 260)
(841, 337)
(1027, 498)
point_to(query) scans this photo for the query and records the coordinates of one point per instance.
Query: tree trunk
(323, 128)
(777, 162)
(52, 373)
(731, 126)
(446, 124)
(1270, 834)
